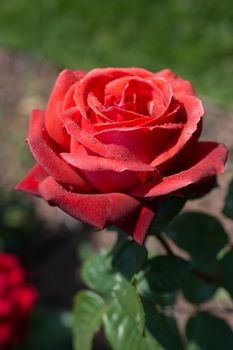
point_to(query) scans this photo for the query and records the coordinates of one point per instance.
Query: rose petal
(95, 209)
(52, 120)
(116, 86)
(206, 160)
(194, 111)
(179, 85)
(95, 82)
(164, 91)
(31, 181)
(96, 164)
(112, 114)
(97, 108)
(92, 143)
(145, 220)
(128, 123)
(68, 101)
(138, 228)
(117, 114)
(138, 72)
(110, 175)
(43, 152)
(101, 210)
(140, 143)
(167, 118)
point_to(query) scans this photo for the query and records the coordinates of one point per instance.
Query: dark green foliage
(201, 282)
(228, 207)
(133, 313)
(168, 208)
(225, 273)
(209, 332)
(201, 235)
(162, 327)
(165, 274)
(129, 258)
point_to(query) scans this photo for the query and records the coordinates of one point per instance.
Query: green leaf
(97, 273)
(124, 319)
(196, 290)
(228, 207)
(200, 283)
(128, 298)
(160, 298)
(209, 332)
(201, 235)
(168, 208)
(225, 273)
(192, 346)
(129, 258)
(165, 274)
(89, 308)
(163, 328)
(122, 332)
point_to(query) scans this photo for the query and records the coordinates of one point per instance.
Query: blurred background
(37, 40)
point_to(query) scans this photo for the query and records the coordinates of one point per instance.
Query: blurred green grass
(193, 38)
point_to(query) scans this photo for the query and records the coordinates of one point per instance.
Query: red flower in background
(113, 141)
(17, 299)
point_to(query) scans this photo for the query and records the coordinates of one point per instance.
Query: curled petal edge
(208, 159)
(100, 210)
(42, 149)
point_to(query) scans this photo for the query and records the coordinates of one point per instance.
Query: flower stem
(162, 240)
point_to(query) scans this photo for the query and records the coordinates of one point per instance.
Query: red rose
(17, 299)
(113, 139)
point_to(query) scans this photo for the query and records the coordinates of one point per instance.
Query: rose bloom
(17, 299)
(112, 142)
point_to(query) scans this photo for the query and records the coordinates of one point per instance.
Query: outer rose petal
(207, 160)
(52, 120)
(100, 209)
(31, 181)
(179, 85)
(43, 152)
(194, 111)
(142, 224)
